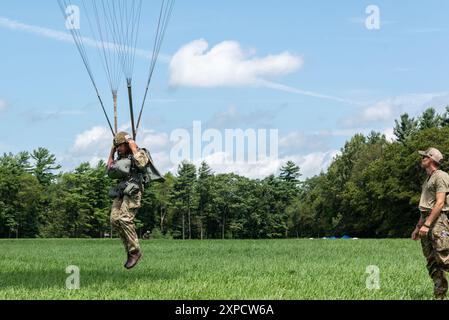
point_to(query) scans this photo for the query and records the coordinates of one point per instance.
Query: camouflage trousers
(123, 213)
(436, 250)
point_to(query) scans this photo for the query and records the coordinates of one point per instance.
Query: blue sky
(357, 79)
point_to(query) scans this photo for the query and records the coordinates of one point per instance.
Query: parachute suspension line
(124, 24)
(110, 23)
(133, 39)
(163, 21)
(114, 97)
(115, 26)
(130, 45)
(108, 47)
(131, 110)
(78, 39)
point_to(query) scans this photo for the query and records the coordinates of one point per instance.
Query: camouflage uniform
(436, 245)
(436, 250)
(124, 209)
(122, 219)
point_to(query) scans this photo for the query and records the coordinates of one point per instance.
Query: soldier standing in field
(433, 226)
(128, 193)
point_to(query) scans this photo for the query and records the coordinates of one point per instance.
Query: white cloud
(385, 111)
(310, 164)
(162, 161)
(67, 37)
(313, 163)
(389, 134)
(294, 139)
(92, 141)
(3, 105)
(381, 111)
(222, 163)
(95, 144)
(154, 141)
(227, 65)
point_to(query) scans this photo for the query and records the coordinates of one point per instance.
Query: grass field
(253, 270)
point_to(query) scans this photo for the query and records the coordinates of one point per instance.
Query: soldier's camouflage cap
(121, 138)
(433, 154)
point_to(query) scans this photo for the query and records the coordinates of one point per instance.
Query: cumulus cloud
(310, 164)
(227, 65)
(92, 142)
(315, 163)
(385, 111)
(95, 144)
(381, 111)
(154, 140)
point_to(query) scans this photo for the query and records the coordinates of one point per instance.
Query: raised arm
(111, 156)
(139, 155)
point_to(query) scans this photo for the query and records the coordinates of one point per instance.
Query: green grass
(250, 270)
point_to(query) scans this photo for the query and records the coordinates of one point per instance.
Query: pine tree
(204, 186)
(45, 163)
(183, 195)
(290, 172)
(405, 128)
(429, 119)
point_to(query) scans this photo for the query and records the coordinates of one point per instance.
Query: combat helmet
(121, 138)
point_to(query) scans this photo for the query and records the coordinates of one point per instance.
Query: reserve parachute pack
(150, 173)
(122, 169)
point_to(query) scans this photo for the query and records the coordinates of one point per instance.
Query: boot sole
(135, 264)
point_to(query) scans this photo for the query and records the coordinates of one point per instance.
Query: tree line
(371, 189)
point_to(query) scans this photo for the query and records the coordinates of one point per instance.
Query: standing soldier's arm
(441, 190)
(415, 234)
(435, 214)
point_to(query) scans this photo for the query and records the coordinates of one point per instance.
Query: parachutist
(119, 22)
(127, 195)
